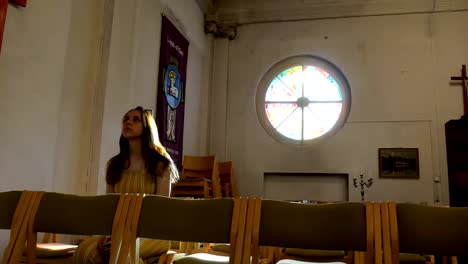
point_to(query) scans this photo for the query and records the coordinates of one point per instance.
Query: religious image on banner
(173, 90)
(173, 94)
(171, 125)
(170, 105)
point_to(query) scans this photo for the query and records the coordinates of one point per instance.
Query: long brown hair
(152, 151)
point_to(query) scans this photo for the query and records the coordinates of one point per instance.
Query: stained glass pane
(305, 86)
(292, 79)
(319, 118)
(278, 112)
(292, 126)
(319, 85)
(279, 92)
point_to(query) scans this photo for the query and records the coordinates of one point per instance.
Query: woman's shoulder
(158, 154)
(167, 168)
(116, 160)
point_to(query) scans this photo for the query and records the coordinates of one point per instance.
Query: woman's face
(132, 125)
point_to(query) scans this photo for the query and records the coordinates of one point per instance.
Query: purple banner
(171, 90)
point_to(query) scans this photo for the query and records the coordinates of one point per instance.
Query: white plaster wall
(310, 188)
(47, 70)
(32, 65)
(76, 103)
(219, 101)
(47, 83)
(117, 92)
(398, 68)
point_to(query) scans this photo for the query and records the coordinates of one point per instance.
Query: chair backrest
(424, 229)
(115, 215)
(225, 171)
(191, 220)
(227, 179)
(76, 215)
(8, 203)
(218, 220)
(199, 167)
(337, 226)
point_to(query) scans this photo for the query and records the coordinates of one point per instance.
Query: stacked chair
(205, 177)
(199, 178)
(227, 179)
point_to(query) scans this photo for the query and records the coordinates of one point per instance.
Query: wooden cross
(3, 11)
(463, 78)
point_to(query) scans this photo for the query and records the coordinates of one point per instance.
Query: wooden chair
(246, 228)
(338, 226)
(227, 179)
(20, 209)
(76, 215)
(424, 230)
(313, 254)
(198, 220)
(8, 203)
(199, 178)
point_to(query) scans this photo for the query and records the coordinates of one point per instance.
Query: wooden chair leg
(239, 241)
(206, 189)
(446, 260)
(162, 259)
(454, 260)
(378, 234)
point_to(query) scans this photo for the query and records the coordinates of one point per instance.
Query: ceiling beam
(261, 11)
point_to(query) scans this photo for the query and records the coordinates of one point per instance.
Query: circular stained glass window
(303, 99)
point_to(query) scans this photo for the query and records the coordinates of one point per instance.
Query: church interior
(69, 71)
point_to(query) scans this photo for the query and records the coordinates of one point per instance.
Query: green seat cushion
(203, 258)
(314, 253)
(54, 250)
(226, 248)
(412, 258)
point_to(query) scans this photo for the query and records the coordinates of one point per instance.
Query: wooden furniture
(68, 214)
(16, 216)
(227, 179)
(199, 178)
(424, 230)
(456, 135)
(339, 226)
(198, 220)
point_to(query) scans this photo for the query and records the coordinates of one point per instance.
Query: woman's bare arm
(163, 183)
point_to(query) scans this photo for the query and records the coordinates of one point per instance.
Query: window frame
(285, 64)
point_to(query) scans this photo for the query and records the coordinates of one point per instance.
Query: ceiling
(258, 11)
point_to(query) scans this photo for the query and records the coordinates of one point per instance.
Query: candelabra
(363, 184)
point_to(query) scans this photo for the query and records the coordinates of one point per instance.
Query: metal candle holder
(363, 184)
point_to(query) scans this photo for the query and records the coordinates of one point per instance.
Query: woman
(142, 166)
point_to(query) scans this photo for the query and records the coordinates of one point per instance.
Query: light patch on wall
(306, 186)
